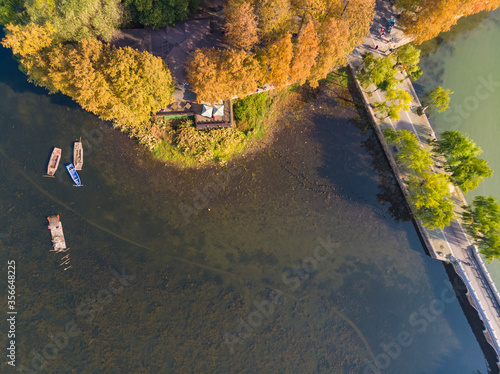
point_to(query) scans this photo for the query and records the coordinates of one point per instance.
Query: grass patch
(250, 113)
(178, 117)
(340, 77)
(185, 145)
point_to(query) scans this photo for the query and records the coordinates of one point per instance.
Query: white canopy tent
(207, 111)
(218, 110)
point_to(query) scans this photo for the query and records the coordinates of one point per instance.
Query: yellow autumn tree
(274, 17)
(432, 18)
(425, 19)
(241, 26)
(359, 15)
(310, 8)
(119, 84)
(30, 44)
(76, 72)
(140, 83)
(305, 52)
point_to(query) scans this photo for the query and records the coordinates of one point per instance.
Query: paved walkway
(452, 243)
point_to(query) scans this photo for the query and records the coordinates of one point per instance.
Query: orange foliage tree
(332, 50)
(222, 74)
(241, 26)
(327, 30)
(280, 55)
(305, 52)
(425, 19)
(431, 18)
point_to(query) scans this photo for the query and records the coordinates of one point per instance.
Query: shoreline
(434, 243)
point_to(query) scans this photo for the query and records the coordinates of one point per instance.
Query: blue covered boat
(74, 175)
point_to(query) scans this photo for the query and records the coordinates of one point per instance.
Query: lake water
(465, 60)
(297, 259)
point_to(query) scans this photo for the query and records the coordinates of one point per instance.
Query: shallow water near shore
(300, 258)
(465, 60)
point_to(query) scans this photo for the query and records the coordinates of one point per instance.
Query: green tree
(482, 221)
(416, 159)
(469, 173)
(400, 96)
(430, 194)
(397, 100)
(437, 217)
(405, 59)
(409, 5)
(12, 11)
(410, 153)
(467, 170)
(438, 98)
(406, 55)
(386, 110)
(160, 13)
(456, 146)
(77, 19)
(375, 71)
(428, 189)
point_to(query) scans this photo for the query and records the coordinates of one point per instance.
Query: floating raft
(56, 230)
(54, 161)
(78, 155)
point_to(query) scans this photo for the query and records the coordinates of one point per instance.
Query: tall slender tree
(305, 52)
(280, 55)
(275, 17)
(241, 26)
(332, 50)
(438, 98)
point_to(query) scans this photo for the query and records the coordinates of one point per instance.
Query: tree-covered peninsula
(67, 47)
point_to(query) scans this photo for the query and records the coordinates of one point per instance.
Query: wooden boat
(54, 161)
(78, 155)
(74, 175)
(55, 227)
